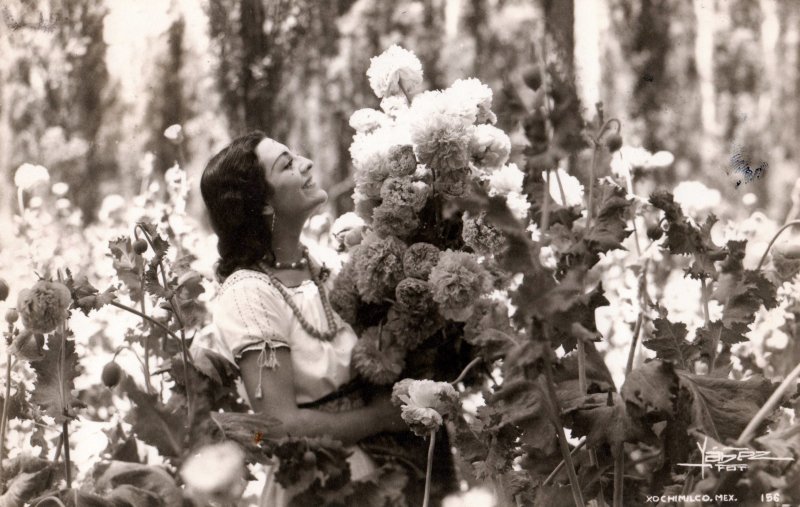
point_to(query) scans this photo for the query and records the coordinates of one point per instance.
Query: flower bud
(12, 315)
(309, 458)
(533, 78)
(111, 374)
(614, 142)
(654, 232)
(140, 246)
(3, 289)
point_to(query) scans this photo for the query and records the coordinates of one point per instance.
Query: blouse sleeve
(250, 315)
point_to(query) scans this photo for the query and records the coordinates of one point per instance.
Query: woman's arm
(278, 401)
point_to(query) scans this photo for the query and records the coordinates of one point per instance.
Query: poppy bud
(614, 142)
(140, 246)
(309, 458)
(3, 289)
(111, 374)
(654, 232)
(12, 315)
(533, 78)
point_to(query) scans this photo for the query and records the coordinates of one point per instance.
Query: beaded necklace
(326, 306)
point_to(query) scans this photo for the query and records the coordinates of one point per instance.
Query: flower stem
(146, 341)
(555, 416)
(67, 462)
(429, 469)
(560, 188)
(582, 367)
(786, 226)
(634, 341)
(4, 420)
(146, 317)
(592, 172)
(768, 407)
(619, 474)
(546, 204)
(561, 464)
(466, 370)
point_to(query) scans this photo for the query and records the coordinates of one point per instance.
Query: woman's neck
(286, 242)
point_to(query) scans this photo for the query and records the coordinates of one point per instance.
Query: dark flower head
(419, 260)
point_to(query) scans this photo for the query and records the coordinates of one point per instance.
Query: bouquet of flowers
(423, 265)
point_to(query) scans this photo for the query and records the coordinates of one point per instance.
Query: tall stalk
(4, 420)
(429, 469)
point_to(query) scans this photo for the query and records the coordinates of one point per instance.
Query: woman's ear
(268, 210)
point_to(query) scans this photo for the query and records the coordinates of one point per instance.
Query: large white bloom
(215, 472)
(29, 176)
(489, 146)
(441, 141)
(366, 120)
(394, 68)
(624, 160)
(378, 142)
(696, 198)
(472, 93)
(506, 180)
(395, 106)
(573, 190)
(518, 204)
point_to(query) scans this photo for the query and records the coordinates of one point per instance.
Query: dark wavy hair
(235, 193)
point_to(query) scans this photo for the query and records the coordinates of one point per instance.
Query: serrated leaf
(609, 227)
(212, 365)
(742, 294)
(603, 419)
(152, 422)
(128, 265)
(669, 342)
(86, 297)
(160, 245)
(152, 282)
(722, 407)
(55, 380)
(651, 388)
(18, 406)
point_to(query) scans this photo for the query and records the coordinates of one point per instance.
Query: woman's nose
(306, 165)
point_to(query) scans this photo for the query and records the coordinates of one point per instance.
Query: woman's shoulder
(246, 280)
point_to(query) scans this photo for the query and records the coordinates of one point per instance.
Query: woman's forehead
(268, 151)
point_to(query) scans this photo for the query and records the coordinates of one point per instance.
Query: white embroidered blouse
(250, 314)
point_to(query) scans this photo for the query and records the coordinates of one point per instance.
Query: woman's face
(295, 191)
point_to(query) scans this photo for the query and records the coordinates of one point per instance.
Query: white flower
(506, 180)
(441, 141)
(473, 93)
(376, 143)
(518, 204)
(547, 257)
(366, 120)
(573, 190)
(394, 68)
(215, 472)
(424, 403)
(29, 176)
(60, 189)
(476, 497)
(695, 198)
(489, 146)
(624, 160)
(536, 233)
(174, 133)
(395, 106)
(111, 206)
(435, 103)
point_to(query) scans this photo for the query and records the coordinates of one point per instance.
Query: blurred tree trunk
(559, 22)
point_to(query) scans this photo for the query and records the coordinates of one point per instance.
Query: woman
(272, 311)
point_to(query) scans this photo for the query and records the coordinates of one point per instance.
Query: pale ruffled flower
(395, 106)
(425, 403)
(377, 142)
(696, 198)
(215, 473)
(518, 204)
(473, 93)
(174, 133)
(395, 68)
(44, 306)
(506, 180)
(573, 190)
(29, 176)
(345, 223)
(366, 120)
(441, 141)
(457, 281)
(489, 146)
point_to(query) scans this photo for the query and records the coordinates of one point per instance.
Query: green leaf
(55, 381)
(152, 422)
(86, 297)
(18, 407)
(670, 344)
(742, 294)
(149, 478)
(128, 265)
(651, 388)
(722, 407)
(610, 226)
(603, 419)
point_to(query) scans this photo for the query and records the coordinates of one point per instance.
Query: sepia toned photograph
(408, 253)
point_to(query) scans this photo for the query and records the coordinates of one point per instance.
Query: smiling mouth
(309, 183)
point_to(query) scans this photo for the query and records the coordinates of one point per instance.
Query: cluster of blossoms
(44, 306)
(407, 276)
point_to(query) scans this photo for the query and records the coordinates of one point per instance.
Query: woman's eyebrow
(283, 155)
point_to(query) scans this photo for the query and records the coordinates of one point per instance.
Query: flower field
(576, 340)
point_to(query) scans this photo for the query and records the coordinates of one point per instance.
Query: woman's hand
(387, 416)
